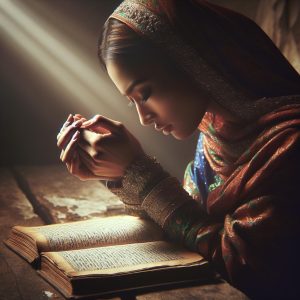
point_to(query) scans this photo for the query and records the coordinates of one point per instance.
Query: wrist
(142, 174)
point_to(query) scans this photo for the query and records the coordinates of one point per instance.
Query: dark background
(49, 68)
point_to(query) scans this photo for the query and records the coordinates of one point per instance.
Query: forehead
(123, 74)
(119, 71)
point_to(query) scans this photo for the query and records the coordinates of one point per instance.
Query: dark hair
(118, 42)
(230, 43)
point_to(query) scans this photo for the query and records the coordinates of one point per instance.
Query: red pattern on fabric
(259, 200)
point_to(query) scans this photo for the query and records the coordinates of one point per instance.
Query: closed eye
(146, 95)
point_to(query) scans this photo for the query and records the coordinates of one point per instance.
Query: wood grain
(215, 291)
(18, 280)
(60, 197)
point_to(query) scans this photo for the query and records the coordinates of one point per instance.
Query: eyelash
(145, 98)
(146, 95)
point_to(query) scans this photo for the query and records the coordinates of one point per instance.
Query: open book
(104, 256)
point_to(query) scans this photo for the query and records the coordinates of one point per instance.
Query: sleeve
(251, 227)
(183, 218)
(250, 230)
(188, 182)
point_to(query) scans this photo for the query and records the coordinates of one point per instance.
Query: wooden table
(35, 195)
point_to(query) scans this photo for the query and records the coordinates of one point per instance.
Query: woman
(189, 65)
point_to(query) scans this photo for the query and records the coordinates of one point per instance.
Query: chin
(181, 135)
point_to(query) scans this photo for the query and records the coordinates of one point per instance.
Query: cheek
(186, 117)
(177, 107)
(180, 110)
(171, 108)
(163, 106)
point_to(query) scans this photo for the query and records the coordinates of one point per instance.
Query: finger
(103, 168)
(69, 151)
(65, 136)
(80, 117)
(102, 173)
(73, 166)
(87, 160)
(90, 161)
(69, 163)
(101, 124)
(69, 120)
(79, 170)
(61, 154)
(90, 152)
(94, 166)
(99, 151)
(95, 139)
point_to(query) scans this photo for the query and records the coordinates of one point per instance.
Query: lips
(158, 127)
(166, 128)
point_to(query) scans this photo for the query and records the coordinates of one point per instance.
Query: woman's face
(167, 99)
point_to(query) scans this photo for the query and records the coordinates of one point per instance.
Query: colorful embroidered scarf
(249, 185)
(218, 49)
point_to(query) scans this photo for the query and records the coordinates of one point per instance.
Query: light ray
(80, 80)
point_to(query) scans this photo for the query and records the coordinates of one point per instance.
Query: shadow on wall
(280, 19)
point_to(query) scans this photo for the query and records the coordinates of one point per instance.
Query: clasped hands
(96, 149)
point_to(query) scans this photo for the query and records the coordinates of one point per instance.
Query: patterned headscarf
(226, 54)
(253, 209)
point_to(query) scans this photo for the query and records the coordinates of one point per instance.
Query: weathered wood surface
(219, 291)
(60, 197)
(18, 280)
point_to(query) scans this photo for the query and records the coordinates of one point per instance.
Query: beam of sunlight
(81, 81)
(82, 85)
(56, 70)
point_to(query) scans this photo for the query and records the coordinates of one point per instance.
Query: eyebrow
(132, 85)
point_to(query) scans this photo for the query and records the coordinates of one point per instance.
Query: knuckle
(120, 126)
(97, 117)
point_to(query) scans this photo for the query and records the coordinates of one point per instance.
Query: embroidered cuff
(136, 210)
(166, 197)
(140, 177)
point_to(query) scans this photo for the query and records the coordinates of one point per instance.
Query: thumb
(101, 124)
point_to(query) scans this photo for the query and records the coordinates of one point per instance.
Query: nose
(146, 116)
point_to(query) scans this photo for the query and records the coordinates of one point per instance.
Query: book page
(95, 232)
(121, 258)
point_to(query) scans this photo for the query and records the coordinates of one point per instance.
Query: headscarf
(254, 209)
(224, 52)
